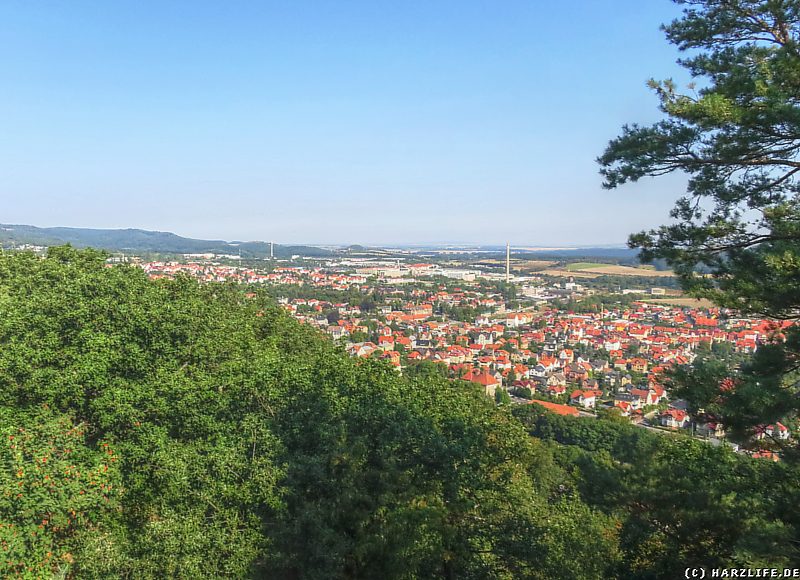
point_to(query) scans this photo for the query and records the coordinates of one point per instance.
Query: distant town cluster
(573, 343)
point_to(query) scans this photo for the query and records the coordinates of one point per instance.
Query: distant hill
(134, 240)
(588, 254)
(572, 253)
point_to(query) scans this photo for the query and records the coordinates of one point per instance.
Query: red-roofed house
(624, 408)
(646, 396)
(585, 399)
(386, 342)
(674, 418)
(486, 380)
(778, 430)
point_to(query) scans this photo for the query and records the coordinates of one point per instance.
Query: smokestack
(270, 251)
(508, 262)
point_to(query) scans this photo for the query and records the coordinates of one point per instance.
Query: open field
(531, 265)
(521, 265)
(681, 301)
(593, 270)
(558, 272)
(633, 271)
(584, 266)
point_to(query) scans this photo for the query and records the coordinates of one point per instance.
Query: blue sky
(330, 121)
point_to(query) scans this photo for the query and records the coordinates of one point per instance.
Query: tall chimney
(508, 262)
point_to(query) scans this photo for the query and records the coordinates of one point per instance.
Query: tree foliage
(735, 235)
(57, 493)
(680, 502)
(171, 428)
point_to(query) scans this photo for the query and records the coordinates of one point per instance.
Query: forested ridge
(165, 428)
(143, 241)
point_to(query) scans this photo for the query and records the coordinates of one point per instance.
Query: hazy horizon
(374, 124)
(399, 245)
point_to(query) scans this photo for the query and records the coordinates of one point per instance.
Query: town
(550, 338)
(400, 290)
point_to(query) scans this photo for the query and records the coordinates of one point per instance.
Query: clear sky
(330, 121)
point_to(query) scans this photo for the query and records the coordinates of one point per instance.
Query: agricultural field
(531, 265)
(681, 302)
(560, 272)
(518, 265)
(576, 266)
(593, 270)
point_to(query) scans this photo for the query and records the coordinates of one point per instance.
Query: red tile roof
(558, 409)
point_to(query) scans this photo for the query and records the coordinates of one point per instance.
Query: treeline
(611, 283)
(678, 502)
(458, 312)
(596, 302)
(366, 300)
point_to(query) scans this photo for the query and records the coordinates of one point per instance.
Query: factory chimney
(508, 262)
